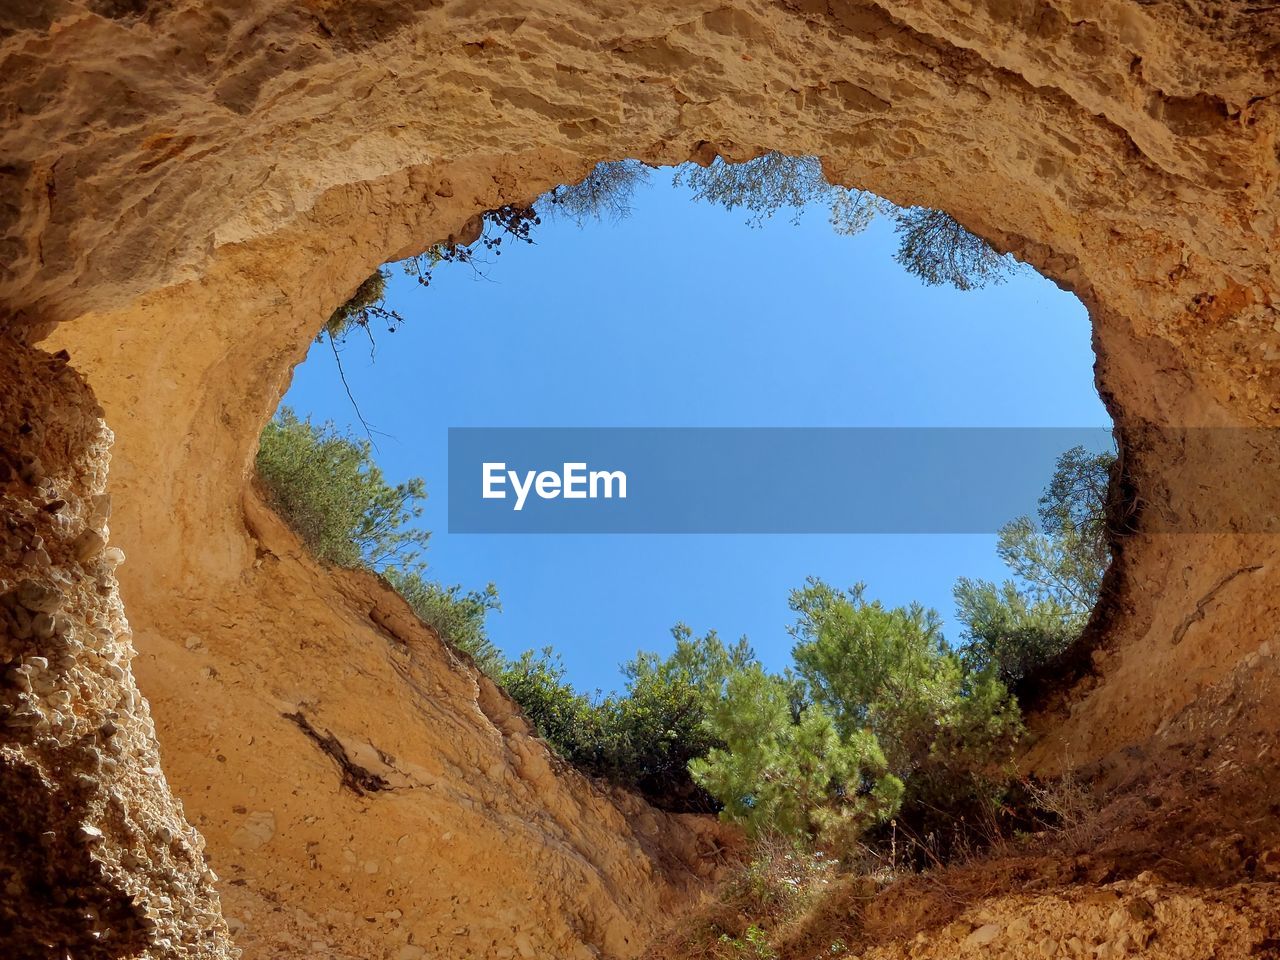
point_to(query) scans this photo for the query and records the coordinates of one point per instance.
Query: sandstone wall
(190, 188)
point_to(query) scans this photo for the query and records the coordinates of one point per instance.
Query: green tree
(795, 775)
(1027, 621)
(329, 490)
(947, 732)
(659, 724)
(856, 654)
(1009, 631)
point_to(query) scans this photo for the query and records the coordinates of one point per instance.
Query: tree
(798, 776)
(879, 718)
(329, 490)
(946, 732)
(765, 185)
(856, 654)
(933, 246)
(1027, 621)
(1009, 631)
(660, 724)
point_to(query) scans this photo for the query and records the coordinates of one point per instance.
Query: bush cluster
(877, 718)
(328, 488)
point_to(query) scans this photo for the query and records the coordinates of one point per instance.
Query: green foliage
(366, 305)
(797, 775)
(456, 615)
(1010, 632)
(645, 737)
(327, 487)
(754, 943)
(1023, 624)
(566, 719)
(605, 192)
(659, 725)
(855, 654)
(767, 184)
(946, 733)
(933, 246)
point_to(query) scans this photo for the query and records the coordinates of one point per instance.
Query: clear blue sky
(682, 315)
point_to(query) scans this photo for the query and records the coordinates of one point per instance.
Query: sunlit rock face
(188, 190)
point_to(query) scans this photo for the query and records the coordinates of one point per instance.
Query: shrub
(605, 192)
(659, 724)
(566, 719)
(367, 304)
(947, 733)
(329, 490)
(456, 615)
(797, 775)
(758, 905)
(644, 738)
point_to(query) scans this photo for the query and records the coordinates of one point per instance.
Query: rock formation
(189, 187)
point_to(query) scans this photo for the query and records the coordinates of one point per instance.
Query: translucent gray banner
(840, 480)
(751, 480)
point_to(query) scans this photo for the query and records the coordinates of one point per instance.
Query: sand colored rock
(96, 858)
(188, 189)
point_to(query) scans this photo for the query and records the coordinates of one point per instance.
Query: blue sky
(683, 315)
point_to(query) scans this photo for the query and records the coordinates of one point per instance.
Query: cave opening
(188, 191)
(687, 302)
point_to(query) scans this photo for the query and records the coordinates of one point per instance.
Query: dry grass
(788, 905)
(1069, 809)
(777, 885)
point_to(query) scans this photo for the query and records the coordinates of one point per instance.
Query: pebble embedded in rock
(38, 597)
(87, 546)
(983, 935)
(59, 699)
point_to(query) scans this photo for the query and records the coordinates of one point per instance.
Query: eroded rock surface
(96, 856)
(190, 188)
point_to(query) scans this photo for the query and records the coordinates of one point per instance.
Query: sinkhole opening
(884, 470)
